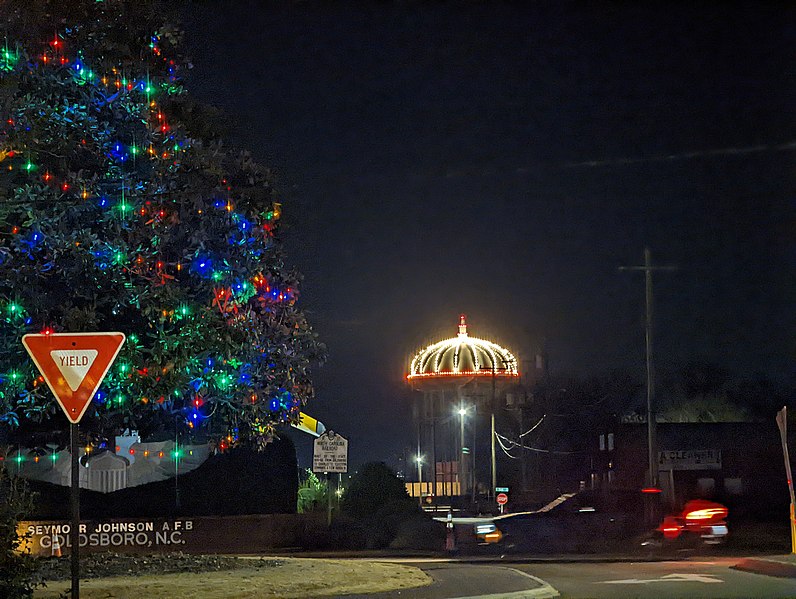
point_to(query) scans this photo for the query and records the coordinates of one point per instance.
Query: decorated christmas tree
(121, 210)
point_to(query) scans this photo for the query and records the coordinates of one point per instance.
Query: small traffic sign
(73, 365)
(501, 489)
(502, 499)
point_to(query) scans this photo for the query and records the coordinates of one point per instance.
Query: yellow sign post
(782, 423)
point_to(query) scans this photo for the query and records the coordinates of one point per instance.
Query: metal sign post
(502, 500)
(74, 499)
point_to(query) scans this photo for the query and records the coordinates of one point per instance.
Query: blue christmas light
(119, 152)
(202, 265)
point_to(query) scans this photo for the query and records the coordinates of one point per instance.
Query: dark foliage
(17, 569)
(240, 481)
(377, 499)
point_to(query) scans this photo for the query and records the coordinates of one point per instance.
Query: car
(487, 533)
(700, 522)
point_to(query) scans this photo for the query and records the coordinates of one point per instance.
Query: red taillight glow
(670, 528)
(707, 514)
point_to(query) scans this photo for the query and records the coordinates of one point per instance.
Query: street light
(419, 460)
(462, 478)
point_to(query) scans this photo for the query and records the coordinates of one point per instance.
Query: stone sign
(222, 534)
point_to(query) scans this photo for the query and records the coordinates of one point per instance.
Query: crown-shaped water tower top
(462, 356)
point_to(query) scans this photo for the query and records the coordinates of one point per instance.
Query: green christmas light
(9, 60)
(223, 381)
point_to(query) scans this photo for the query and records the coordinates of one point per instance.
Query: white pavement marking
(544, 591)
(707, 578)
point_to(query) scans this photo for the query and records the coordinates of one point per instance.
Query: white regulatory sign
(330, 453)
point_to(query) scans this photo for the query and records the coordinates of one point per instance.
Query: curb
(767, 567)
(543, 591)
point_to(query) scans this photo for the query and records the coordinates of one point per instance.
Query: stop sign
(502, 498)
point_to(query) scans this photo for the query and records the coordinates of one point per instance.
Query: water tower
(459, 383)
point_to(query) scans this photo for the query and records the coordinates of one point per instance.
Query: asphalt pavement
(514, 577)
(500, 576)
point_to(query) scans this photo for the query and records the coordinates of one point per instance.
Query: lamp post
(419, 460)
(492, 432)
(462, 477)
(472, 453)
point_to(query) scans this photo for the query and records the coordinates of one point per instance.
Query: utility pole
(648, 268)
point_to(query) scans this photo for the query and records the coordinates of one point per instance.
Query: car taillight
(670, 528)
(713, 513)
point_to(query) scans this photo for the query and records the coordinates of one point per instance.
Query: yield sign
(73, 365)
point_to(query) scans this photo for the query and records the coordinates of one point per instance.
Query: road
(518, 579)
(692, 578)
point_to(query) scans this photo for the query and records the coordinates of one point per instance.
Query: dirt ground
(291, 578)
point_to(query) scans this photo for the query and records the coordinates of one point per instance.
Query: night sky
(503, 161)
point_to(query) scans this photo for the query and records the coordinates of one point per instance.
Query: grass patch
(290, 578)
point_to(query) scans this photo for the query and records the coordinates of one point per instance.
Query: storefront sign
(689, 459)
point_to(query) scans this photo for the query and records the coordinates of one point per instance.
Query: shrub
(377, 499)
(373, 487)
(312, 494)
(17, 566)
